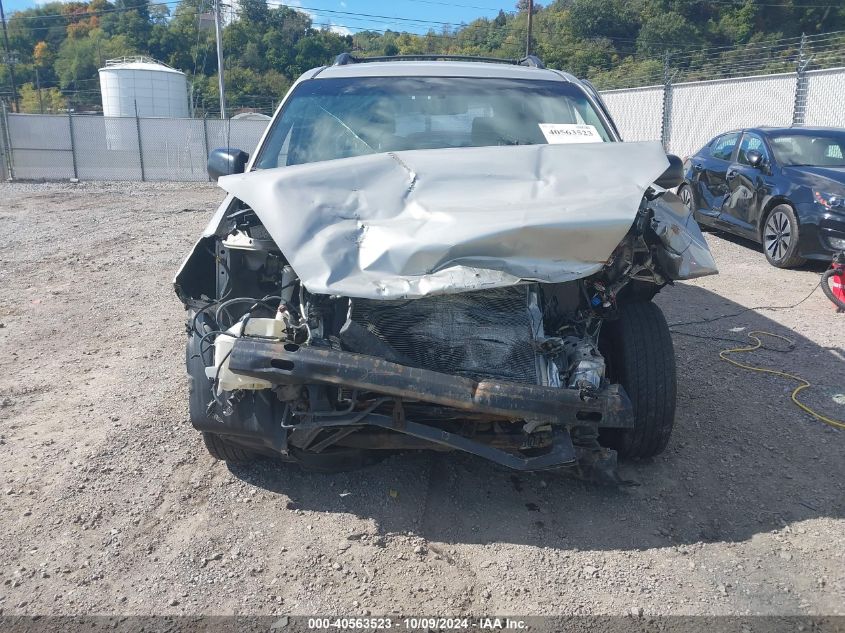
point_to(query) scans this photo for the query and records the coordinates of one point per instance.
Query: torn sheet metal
(409, 224)
(685, 254)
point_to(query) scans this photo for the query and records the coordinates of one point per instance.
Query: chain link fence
(684, 116)
(638, 112)
(701, 110)
(826, 97)
(62, 147)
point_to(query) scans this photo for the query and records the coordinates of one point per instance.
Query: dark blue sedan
(782, 187)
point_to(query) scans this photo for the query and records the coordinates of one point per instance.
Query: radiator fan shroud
(483, 334)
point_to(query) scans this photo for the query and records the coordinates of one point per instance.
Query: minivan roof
(440, 69)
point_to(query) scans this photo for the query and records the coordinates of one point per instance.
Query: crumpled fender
(685, 254)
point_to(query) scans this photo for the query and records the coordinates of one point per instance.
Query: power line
(743, 52)
(319, 13)
(349, 15)
(452, 4)
(384, 19)
(358, 14)
(740, 5)
(84, 16)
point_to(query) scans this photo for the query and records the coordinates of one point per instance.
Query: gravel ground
(111, 505)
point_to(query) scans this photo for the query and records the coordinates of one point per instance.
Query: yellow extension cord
(839, 424)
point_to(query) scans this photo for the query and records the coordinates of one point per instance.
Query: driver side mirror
(755, 158)
(674, 175)
(225, 161)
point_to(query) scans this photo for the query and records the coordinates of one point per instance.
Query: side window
(834, 150)
(751, 142)
(723, 147)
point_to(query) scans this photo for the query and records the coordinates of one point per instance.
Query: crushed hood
(415, 223)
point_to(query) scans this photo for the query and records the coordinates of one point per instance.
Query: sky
(400, 14)
(381, 15)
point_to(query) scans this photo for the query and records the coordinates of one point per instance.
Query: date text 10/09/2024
(421, 623)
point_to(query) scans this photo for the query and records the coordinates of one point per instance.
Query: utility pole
(9, 59)
(530, 21)
(38, 87)
(218, 32)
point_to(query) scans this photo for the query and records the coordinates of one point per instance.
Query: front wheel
(780, 238)
(685, 194)
(224, 450)
(199, 354)
(688, 198)
(640, 356)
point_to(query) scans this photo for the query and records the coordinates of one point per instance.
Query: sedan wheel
(780, 238)
(778, 235)
(685, 194)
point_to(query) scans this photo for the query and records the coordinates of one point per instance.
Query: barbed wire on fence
(820, 51)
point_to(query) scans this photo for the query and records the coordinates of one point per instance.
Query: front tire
(685, 194)
(224, 450)
(640, 356)
(780, 237)
(199, 354)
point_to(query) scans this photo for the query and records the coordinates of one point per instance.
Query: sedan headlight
(830, 200)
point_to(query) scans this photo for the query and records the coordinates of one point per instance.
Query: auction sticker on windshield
(558, 133)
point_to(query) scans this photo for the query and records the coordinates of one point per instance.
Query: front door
(746, 188)
(712, 167)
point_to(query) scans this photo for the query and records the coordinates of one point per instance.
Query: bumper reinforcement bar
(288, 363)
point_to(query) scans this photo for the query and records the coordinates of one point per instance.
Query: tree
(612, 19)
(186, 41)
(522, 5)
(42, 55)
(131, 19)
(79, 59)
(667, 32)
(254, 11)
(51, 98)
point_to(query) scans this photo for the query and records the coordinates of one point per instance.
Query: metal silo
(143, 86)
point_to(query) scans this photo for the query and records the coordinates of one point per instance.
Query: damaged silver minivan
(442, 255)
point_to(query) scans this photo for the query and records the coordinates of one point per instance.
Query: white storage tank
(156, 90)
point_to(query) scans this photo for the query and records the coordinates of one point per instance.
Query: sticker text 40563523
(558, 133)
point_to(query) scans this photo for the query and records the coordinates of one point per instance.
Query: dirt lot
(110, 503)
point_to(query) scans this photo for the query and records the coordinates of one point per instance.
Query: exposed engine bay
(517, 373)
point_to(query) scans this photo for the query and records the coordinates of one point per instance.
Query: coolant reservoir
(228, 380)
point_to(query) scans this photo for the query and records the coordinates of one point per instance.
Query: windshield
(812, 150)
(326, 119)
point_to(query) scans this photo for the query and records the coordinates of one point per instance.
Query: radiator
(481, 334)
